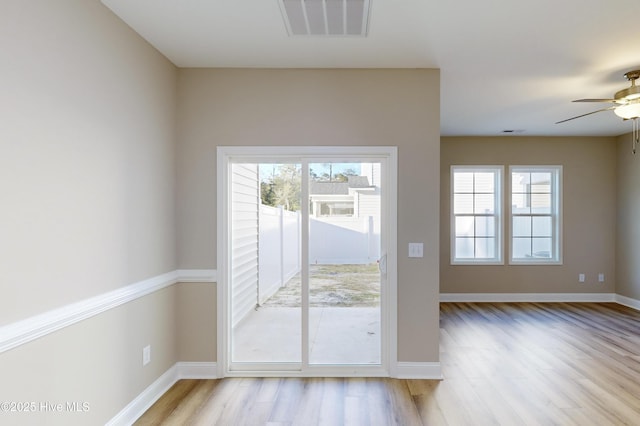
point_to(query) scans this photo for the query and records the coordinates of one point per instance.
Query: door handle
(382, 264)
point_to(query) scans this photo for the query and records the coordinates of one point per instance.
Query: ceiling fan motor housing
(630, 93)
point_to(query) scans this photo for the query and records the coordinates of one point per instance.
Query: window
(535, 214)
(476, 221)
(334, 208)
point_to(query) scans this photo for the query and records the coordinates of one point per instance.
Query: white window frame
(556, 215)
(498, 172)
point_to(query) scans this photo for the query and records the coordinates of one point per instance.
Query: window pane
(541, 227)
(484, 182)
(464, 226)
(521, 226)
(541, 203)
(521, 248)
(520, 182)
(520, 204)
(541, 182)
(542, 247)
(463, 203)
(485, 226)
(484, 204)
(462, 182)
(485, 248)
(464, 248)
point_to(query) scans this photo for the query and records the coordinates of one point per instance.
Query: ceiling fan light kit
(628, 105)
(628, 111)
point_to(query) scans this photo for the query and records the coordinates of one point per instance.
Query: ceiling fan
(626, 104)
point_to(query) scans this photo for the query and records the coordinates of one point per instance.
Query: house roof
(329, 188)
(512, 66)
(358, 182)
(338, 188)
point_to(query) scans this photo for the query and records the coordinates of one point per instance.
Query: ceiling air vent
(346, 18)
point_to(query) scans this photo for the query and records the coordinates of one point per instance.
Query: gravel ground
(333, 285)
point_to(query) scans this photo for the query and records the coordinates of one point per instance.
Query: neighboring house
(358, 197)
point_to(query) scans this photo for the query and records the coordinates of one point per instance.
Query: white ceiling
(505, 64)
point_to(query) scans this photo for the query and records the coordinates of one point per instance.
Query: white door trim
(225, 155)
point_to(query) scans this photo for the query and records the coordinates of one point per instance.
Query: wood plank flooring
(504, 364)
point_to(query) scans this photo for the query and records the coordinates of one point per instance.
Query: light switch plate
(416, 249)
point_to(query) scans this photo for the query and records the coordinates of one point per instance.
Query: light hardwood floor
(504, 364)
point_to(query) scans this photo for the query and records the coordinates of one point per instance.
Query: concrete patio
(338, 335)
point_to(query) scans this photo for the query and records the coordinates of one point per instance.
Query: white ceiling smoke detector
(336, 18)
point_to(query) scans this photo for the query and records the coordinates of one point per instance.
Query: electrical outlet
(581, 278)
(146, 355)
(600, 277)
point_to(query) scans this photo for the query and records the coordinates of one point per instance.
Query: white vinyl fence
(279, 249)
(343, 240)
(333, 240)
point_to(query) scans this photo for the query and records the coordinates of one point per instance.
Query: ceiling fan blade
(594, 100)
(589, 113)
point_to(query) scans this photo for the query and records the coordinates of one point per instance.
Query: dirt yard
(333, 285)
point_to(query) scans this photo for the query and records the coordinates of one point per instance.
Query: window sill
(535, 262)
(477, 263)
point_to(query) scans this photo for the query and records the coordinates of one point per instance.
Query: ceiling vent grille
(342, 18)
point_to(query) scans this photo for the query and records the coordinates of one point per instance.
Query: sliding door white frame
(389, 297)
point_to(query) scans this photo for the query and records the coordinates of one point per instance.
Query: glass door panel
(344, 249)
(265, 263)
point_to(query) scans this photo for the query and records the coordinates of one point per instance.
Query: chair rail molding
(23, 331)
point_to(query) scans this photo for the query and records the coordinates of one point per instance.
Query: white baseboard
(181, 370)
(418, 370)
(136, 408)
(627, 301)
(528, 297)
(24, 331)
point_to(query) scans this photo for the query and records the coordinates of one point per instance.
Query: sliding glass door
(305, 284)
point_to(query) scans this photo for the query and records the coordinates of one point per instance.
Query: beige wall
(628, 220)
(320, 107)
(87, 179)
(87, 164)
(589, 214)
(196, 318)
